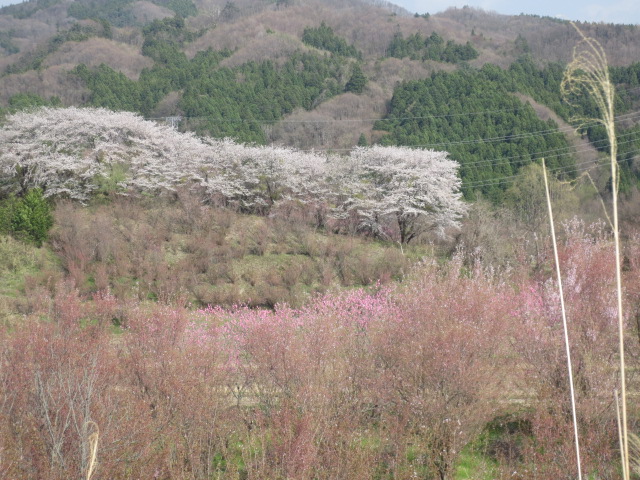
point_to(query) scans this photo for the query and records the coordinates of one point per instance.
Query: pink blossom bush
(589, 277)
(394, 381)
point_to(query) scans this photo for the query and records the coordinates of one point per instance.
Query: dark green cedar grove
(475, 115)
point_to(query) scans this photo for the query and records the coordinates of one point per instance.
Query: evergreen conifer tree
(357, 81)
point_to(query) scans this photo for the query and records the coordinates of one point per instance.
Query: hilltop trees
(431, 48)
(324, 38)
(389, 192)
(357, 81)
(224, 101)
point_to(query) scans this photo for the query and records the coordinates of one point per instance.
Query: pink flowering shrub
(588, 272)
(417, 369)
(390, 382)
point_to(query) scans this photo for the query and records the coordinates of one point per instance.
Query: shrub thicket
(391, 383)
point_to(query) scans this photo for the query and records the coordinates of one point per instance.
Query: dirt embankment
(586, 154)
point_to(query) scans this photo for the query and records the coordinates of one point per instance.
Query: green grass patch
(18, 261)
(474, 465)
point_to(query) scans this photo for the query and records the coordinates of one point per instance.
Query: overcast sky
(610, 11)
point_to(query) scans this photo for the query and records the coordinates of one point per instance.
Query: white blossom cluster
(419, 188)
(74, 152)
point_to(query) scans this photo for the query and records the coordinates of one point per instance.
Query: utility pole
(173, 121)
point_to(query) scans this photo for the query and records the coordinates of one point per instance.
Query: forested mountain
(322, 74)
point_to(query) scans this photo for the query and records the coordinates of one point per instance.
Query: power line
(520, 159)
(535, 133)
(521, 135)
(336, 120)
(620, 118)
(558, 151)
(511, 178)
(568, 169)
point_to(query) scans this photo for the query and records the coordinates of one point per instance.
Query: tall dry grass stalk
(93, 448)
(564, 321)
(619, 423)
(588, 73)
(634, 440)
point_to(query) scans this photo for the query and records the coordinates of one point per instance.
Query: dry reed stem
(589, 73)
(93, 448)
(635, 457)
(564, 320)
(617, 398)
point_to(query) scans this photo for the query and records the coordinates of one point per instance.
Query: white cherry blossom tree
(417, 189)
(76, 152)
(73, 151)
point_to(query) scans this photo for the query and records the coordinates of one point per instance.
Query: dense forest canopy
(488, 130)
(431, 48)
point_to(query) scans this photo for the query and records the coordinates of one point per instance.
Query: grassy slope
(22, 267)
